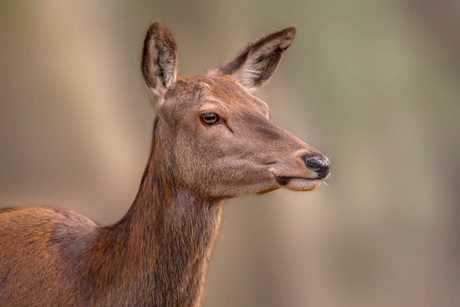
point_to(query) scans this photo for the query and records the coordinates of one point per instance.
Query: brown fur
(157, 254)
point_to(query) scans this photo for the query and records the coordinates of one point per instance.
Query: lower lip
(302, 184)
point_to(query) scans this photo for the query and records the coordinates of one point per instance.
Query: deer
(212, 140)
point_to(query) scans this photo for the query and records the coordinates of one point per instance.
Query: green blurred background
(373, 84)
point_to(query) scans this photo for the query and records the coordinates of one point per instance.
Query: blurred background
(373, 84)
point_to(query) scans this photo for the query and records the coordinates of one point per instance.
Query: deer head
(216, 138)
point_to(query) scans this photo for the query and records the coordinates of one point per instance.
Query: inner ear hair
(255, 65)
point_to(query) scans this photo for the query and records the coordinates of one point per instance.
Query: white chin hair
(300, 184)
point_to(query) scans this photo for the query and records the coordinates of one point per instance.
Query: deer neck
(160, 249)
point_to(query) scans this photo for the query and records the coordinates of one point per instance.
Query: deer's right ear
(159, 63)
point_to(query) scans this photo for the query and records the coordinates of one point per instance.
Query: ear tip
(293, 29)
(157, 27)
(156, 24)
(158, 31)
(290, 31)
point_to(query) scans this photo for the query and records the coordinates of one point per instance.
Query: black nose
(319, 165)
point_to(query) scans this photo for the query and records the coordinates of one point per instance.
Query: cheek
(222, 169)
(193, 160)
(198, 159)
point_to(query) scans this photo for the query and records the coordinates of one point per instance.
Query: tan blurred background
(373, 84)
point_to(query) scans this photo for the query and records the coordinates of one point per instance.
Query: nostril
(318, 165)
(313, 164)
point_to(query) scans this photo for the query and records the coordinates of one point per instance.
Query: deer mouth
(298, 183)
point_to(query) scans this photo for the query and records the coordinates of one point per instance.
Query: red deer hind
(212, 140)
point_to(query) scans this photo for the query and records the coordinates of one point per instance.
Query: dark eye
(209, 118)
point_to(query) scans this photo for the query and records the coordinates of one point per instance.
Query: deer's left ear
(253, 67)
(159, 63)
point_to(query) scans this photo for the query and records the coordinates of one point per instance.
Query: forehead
(225, 91)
